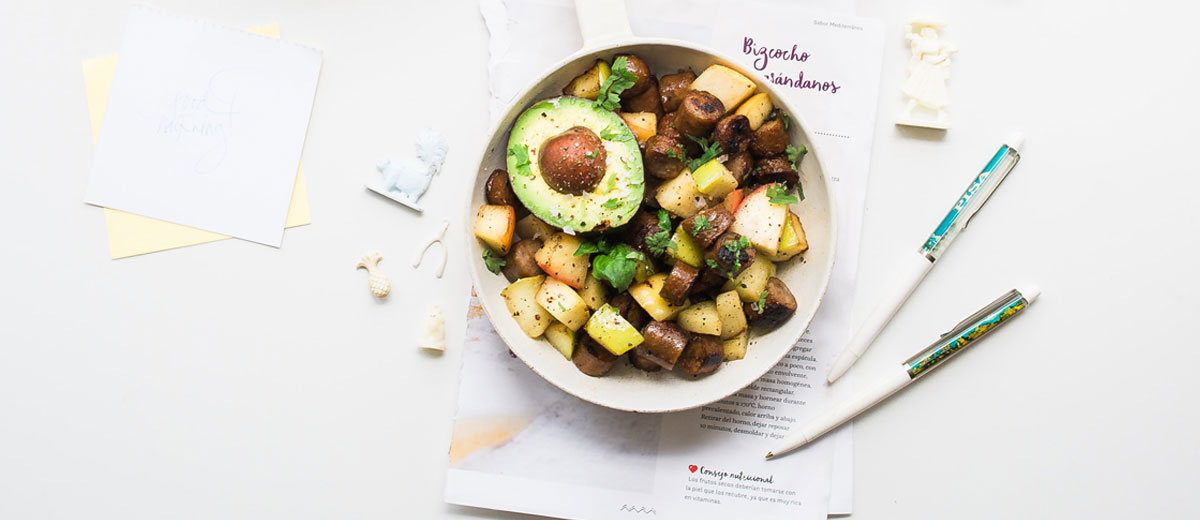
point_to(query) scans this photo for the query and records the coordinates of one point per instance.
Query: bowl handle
(602, 21)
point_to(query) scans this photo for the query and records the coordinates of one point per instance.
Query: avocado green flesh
(615, 198)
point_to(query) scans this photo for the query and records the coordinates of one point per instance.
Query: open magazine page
(522, 445)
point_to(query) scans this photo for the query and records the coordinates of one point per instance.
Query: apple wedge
(760, 220)
(557, 258)
(562, 302)
(519, 297)
(792, 241)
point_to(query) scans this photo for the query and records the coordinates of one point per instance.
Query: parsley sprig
(761, 304)
(620, 79)
(777, 194)
(711, 151)
(521, 153)
(701, 223)
(660, 241)
(616, 263)
(492, 261)
(736, 247)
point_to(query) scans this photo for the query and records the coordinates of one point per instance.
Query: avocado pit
(573, 162)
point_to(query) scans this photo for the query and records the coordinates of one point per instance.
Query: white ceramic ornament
(379, 283)
(928, 71)
(406, 180)
(433, 332)
(440, 238)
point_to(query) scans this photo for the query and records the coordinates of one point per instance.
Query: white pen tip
(1029, 291)
(1015, 141)
(769, 455)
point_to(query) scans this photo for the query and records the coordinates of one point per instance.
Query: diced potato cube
(494, 225)
(562, 338)
(647, 295)
(735, 347)
(520, 298)
(728, 85)
(587, 85)
(686, 249)
(612, 332)
(753, 281)
(643, 124)
(532, 227)
(733, 318)
(756, 109)
(714, 179)
(680, 196)
(594, 293)
(562, 302)
(701, 318)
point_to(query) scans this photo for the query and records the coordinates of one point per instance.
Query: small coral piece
(380, 285)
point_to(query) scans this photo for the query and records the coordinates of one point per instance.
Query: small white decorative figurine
(406, 180)
(440, 238)
(380, 285)
(433, 333)
(928, 70)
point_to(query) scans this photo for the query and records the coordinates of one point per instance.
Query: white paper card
(204, 126)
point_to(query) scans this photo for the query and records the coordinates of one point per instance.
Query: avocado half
(617, 195)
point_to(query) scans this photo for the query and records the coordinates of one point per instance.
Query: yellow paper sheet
(131, 235)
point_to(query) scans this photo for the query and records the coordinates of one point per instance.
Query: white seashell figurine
(379, 283)
(928, 71)
(407, 179)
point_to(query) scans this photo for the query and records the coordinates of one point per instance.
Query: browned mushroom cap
(739, 165)
(629, 309)
(498, 191)
(733, 132)
(770, 139)
(702, 355)
(520, 263)
(778, 307)
(775, 169)
(710, 282)
(647, 101)
(719, 219)
(673, 87)
(640, 71)
(679, 283)
(664, 157)
(663, 343)
(591, 358)
(573, 161)
(699, 113)
(642, 227)
(729, 258)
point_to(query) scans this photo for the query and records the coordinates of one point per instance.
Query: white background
(234, 380)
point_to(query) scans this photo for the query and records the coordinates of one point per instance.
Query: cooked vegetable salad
(643, 216)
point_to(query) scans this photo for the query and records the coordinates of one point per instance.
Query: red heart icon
(692, 468)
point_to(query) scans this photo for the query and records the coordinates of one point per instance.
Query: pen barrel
(977, 193)
(967, 332)
(847, 410)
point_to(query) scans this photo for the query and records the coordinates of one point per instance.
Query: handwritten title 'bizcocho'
(763, 56)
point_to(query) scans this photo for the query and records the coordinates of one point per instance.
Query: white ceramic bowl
(626, 387)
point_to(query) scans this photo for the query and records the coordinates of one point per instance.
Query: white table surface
(233, 380)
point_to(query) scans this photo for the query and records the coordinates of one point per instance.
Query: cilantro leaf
(676, 154)
(493, 262)
(620, 79)
(587, 248)
(615, 134)
(711, 151)
(761, 304)
(712, 263)
(795, 154)
(701, 224)
(777, 194)
(612, 203)
(521, 153)
(787, 121)
(736, 247)
(660, 241)
(617, 266)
